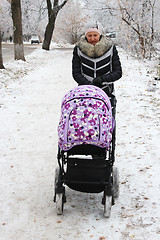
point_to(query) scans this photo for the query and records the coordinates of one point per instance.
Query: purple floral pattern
(86, 118)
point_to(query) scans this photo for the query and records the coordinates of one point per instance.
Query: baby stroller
(86, 147)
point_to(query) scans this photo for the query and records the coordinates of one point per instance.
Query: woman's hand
(97, 81)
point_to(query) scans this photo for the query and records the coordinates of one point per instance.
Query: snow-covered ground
(30, 100)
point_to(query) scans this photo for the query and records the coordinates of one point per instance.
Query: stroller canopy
(86, 118)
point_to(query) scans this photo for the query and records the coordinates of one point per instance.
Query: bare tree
(129, 18)
(52, 14)
(69, 26)
(1, 58)
(34, 17)
(136, 21)
(139, 16)
(17, 28)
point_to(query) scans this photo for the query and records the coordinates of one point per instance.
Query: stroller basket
(86, 175)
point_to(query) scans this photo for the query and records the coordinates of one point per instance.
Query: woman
(95, 60)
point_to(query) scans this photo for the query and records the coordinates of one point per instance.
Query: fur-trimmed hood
(97, 50)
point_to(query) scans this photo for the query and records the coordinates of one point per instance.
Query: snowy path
(29, 113)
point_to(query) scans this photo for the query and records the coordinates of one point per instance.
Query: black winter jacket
(100, 61)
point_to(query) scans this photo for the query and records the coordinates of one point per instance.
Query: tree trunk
(49, 32)
(17, 28)
(1, 58)
(52, 14)
(142, 45)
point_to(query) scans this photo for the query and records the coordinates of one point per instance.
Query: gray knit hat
(94, 26)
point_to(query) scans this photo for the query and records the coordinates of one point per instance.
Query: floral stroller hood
(86, 118)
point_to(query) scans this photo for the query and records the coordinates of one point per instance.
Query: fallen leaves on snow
(126, 216)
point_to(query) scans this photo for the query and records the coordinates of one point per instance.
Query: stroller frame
(92, 175)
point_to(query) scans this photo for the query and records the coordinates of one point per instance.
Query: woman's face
(93, 37)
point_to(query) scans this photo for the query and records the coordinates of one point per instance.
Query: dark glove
(97, 81)
(91, 83)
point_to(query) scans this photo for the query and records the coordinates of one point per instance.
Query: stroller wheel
(59, 193)
(107, 206)
(56, 179)
(59, 203)
(115, 182)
